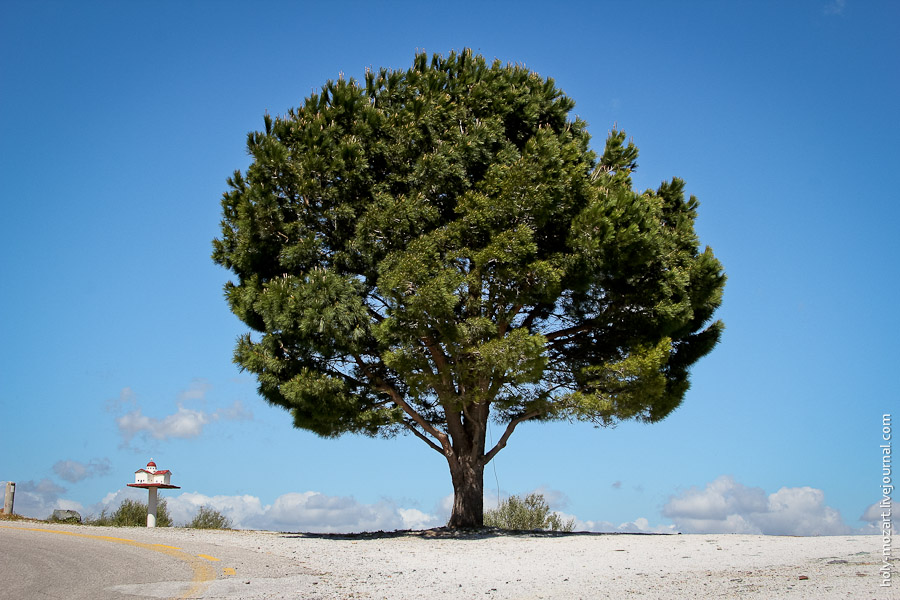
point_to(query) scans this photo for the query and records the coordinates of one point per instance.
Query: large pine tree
(433, 248)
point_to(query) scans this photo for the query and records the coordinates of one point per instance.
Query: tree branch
(501, 443)
(404, 405)
(528, 321)
(504, 325)
(440, 361)
(569, 331)
(423, 437)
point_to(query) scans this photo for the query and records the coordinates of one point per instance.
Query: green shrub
(132, 513)
(531, 513)
(66, 521)
(69, 517)
(210, 518)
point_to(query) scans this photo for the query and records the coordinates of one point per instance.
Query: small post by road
(10, 498)
(152, 479)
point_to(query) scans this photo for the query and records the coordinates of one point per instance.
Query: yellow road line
(203, 572)
(207, 557)
(229, 571)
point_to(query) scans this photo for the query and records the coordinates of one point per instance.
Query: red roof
(151, 464)
(154, 485)
(153, 472)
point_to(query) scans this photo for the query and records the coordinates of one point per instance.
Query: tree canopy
(428, 249)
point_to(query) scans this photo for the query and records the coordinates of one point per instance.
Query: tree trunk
(467, 473)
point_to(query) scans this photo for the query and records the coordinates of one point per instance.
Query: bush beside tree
(529, 513)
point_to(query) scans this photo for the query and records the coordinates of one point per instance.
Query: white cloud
(640, 525)
(184, 423)
(726, 506)
(235, 412)
(125, 399)
(75, 471)
(38, 499)
(196, 390)
(414, 518)
(312, 511)
(113, 499)
(555, 499)
(720, 498)
(445, 505)
(835, 7)
(801, 511)
(877, 515)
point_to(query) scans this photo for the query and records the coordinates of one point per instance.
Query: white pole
(151, 508)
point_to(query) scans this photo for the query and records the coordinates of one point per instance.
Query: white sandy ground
(257, 565)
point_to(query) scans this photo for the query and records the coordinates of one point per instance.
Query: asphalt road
(37, 563)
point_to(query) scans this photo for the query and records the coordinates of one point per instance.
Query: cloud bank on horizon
(721, 506)
(726, 506)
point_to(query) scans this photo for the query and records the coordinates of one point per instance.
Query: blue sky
(120, 121)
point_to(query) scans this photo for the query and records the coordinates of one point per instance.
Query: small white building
(152, 480)
(150, 475)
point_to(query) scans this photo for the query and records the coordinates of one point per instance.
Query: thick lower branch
(395, 396)
(424, 438)
(501, 443)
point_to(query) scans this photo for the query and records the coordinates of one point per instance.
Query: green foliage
(529, 513)
(209, 518)
(428, 249)
(132, 513)
(72, 520)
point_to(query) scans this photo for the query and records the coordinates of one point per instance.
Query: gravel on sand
(524, 566)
